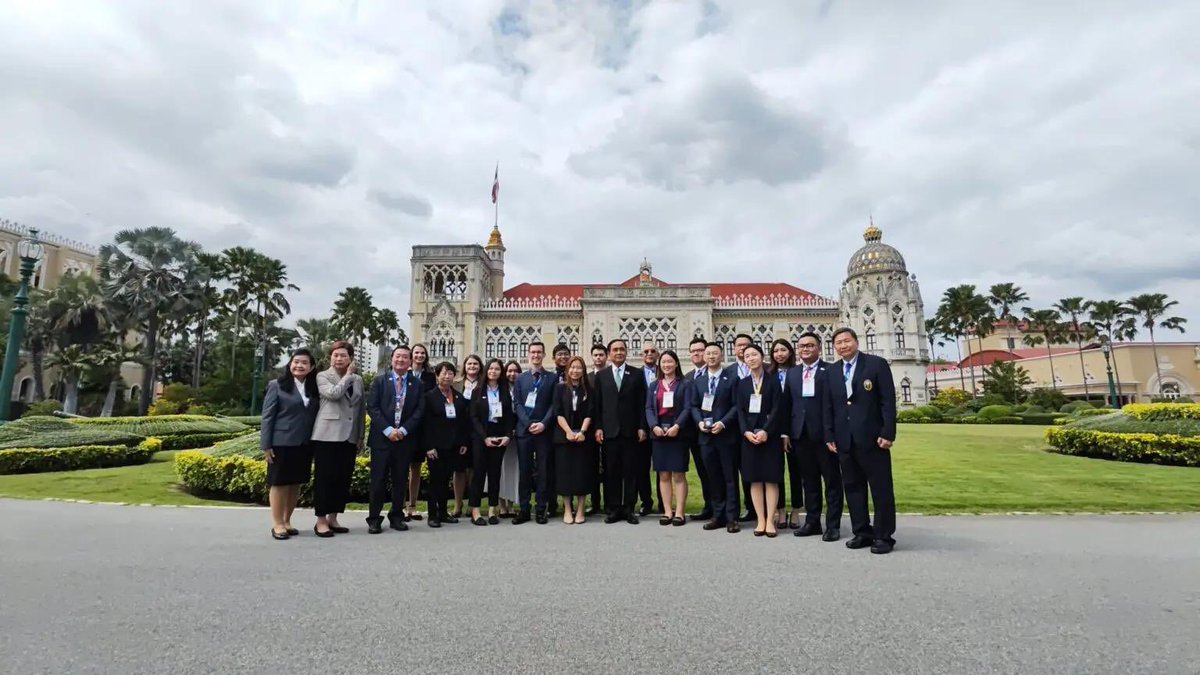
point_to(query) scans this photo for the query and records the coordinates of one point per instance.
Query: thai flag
(496, 184)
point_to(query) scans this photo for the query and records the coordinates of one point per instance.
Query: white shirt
(300, 390)
(743, 370)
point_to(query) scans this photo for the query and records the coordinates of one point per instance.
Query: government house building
(460, 306)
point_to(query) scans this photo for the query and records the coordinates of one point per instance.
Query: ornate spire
(872, 233)
(495, 241)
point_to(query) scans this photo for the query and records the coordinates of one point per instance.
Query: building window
(569, 336)
(870, 337)
(1170, 390)
(829, 348)
(1011, 342)
(639, 331)
(906, 390)
(899, 340)
(445, 281)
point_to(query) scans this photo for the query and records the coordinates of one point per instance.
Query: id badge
(755, 403)
(467, 391)
(707, 404)
(451, 413)
(531, 400)
(668, 400)
(495, 409)
(396, 420)
(810, 387)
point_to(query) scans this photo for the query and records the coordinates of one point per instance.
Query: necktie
(712, 385)
(401, 391)
(618, 374)
(849, 366)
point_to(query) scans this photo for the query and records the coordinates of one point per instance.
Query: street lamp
(29, 250)
(259, 353)
(1112, 385)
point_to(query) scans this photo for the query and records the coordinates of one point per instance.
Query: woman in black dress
(471, 372)
(446, 433)
(761, 413)
(783, 357)
(420, 369)
(669, 415)
(289, 411)
(492, 424)
(574, 461)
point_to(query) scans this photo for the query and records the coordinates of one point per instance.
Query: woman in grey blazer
(289, 408)
(336, 438)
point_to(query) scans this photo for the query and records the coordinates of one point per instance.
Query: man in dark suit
(720, 444)
(736, 371)
(599, 362)
(650, 373)
(807, 388)
(621, 427)
(396, 407)
(696, 351)
(860, 427)
(533, 397)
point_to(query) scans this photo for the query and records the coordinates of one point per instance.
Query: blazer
(427, 379)
(808, 412)
(620, 413)
(286, 420)
(870, 411)
(724, 405)
(685, 395)
(481, 428)
(543, 408)
(381, 406)
(773, 411)
(584, 410)
(441, 432)
(340, 416)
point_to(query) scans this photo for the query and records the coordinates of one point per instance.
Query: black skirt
(762, 463)
(292, 466)
(574, 468)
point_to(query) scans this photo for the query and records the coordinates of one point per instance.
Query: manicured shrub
(38, 408)
(245, 479)
(913, 417)
(930, 411)
(951, 398)
(165, 406)
(1045, 397)
(167, 425)
(994, 411)
(1093, 412)
(71, 438)
(1162, 411)
(1020, 408)
(1126, 447)
(1041, 418)
(1033, 409)
(189, 441)
(254, 421)
(1119, 422)
(1075, 405)
(38, 460)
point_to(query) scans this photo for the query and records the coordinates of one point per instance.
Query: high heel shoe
(324, 535)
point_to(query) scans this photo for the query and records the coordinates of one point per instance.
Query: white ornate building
(460, 306)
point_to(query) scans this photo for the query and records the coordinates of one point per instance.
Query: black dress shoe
(831, 534)
(715, 524)
(280, 536)
(859, 541)
(632, 519)
(882, 546)
(399, 525)
(541, 518)
(703, 515)
(449, 519)
(493, 520)
(292, 532)
(677, 521)
(415, 516)
(772, 535)
(374, 525)
(614, 517)
(733, 528)
(665, 520)
(807, 530)
(480, 521)
(433, 522)
(759, 533)
(522, 517)
(340, 530)
(748, 517)
(325, 535)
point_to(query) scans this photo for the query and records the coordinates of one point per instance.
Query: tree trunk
(39, 374)
(110, 398)
(1157, 368)
(962, 382)
(1116, 372)
(198, 361)
(1050, 355)
(974, 393)
(147, 393)
(71, 399)
(1087, 392)
(931, 359)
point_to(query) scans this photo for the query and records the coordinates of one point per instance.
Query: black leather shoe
(324, 535)
(479, 521)
(645, 511)
(340, 530)
(433, 522)
(399, 525)
(706, 514)
(748, 517)
(374, 525)
(541, 518)
(279, 536)
(448, 519)
(677, 521)
(292, 532)
(859, 541)
(522, 517)
(493, 520)
(807, 530)
(614, 517)
(715, 524)
(665, 520)
(831, 534)
(733, 528)
(632, 519)
(882, 546)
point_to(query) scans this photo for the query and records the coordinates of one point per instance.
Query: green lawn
(938, 469)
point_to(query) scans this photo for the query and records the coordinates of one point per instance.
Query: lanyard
(757, 382)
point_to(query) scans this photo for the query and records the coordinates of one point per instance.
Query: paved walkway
(88, 588)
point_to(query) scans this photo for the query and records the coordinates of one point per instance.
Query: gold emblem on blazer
(868, 385)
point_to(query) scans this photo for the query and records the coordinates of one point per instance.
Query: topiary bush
(254, 421)
(1127, 447)
(69, 438)
(994, 411)
(167, 425)
(1093, 412)
(40, 408)
(1162, 411)
(1075, 405)
(38, 460)
(1030, 409)
(930, 411)
(245, 479)
(189, 441)
(950, 398)
(1041, 418)
(1020, 408)
(913, 417)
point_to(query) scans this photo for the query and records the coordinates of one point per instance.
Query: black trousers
(621, 473)
(333, 469)
(597, 501)
(440, 470)
(534, 453)
(721, 462)
(818, 465)
(793, 482)
(702, 474)
(643, 459)
(863, 469)
(390, 462)
(486, 465)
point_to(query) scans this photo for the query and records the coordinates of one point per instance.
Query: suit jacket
(381, 406)
(441, 432)
(724, 406)
(620, 413)
(340, 416)
(773, 410)
(808, 412)
(481, 428)
(286, 420)
(585, 406)
(685, 394)
(870, 411)
(543, 409)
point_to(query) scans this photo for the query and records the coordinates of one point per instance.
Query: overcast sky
(1052, 144)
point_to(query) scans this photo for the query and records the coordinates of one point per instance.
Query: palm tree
(238, 265)
(1004, 297)
(968, 313)
(1106, 318)
(934, 333)
(77, 310)
(1044, 327)
(354, 315)
(146, 269)
(1150, 309)
(39, 338)
(202, 297)
(70, 361)
(111, 355)
(1077, 331)
(270, 304)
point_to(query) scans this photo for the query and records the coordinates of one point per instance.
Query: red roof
(718, 290)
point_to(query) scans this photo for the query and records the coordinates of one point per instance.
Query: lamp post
(30, 251)
(1112, 385)
(259, 354)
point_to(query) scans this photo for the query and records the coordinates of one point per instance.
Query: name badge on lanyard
(668, 399)
(451, 413)
(495, 409)
(756, 397)
(707, 404)
(531, 400)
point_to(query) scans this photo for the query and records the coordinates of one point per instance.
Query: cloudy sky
(1055, 145)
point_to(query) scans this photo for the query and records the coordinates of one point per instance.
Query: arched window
(870, 340)
(25, 391)
(135, 393)
(1169, 390)
(906, 390)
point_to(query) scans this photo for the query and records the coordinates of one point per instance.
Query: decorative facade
(460, 306)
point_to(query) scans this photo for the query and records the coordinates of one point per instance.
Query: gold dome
(494, 241)
(875, 256)
(872, 233)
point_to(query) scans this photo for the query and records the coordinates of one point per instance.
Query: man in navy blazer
(736, 371)
(392, 437)
(533, 396)
(806, 384)
(860, 427)
(715, 409)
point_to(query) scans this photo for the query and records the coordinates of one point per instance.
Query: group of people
(595, 434)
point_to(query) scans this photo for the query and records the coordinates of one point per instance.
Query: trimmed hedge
(994, 411)
(72, 438)
(912, 417)
(38, 460)
(1093, 412)
(1126, 447)
(245, 479)
(1121, 423)
(254, 421)
(1162, 411)
(189, 441)
(1076, 405)
(165, 425)
(1042, 418)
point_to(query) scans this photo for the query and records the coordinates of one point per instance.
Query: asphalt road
(88, 588)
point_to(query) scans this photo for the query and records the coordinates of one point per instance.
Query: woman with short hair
(289, 409)
(446, 434)
(336, 438)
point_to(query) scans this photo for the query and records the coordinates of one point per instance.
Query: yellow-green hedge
(39, 460)
(245, 479)
(1126, 447)
(1162, 411)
